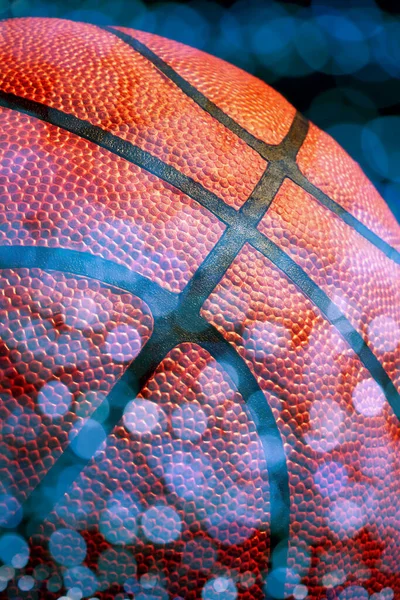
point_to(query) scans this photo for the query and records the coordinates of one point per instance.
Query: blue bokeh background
(338, 62)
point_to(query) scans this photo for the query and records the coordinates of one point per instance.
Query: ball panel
(358, 278)
(182, 482)
(60, 190)
(200, 458)
(331, 169)
(64, 342)
(342, 462)
(249, 101)
(91, 74)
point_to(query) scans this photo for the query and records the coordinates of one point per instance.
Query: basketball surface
(199, 333)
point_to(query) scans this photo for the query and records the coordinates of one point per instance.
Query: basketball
(199, 333)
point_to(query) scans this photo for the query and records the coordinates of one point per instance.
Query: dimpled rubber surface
(241, 96)
(343, 467)
(325, 164)
(100, 79)
(200, 416)
(354, 274)
(53, 331)
(63, 191)
(200, 456)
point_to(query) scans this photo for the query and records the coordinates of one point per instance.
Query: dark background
(337, 61)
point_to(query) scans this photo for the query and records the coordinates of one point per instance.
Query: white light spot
(276, 580)
(3, 584)
(346, 518)
(352, 592)
(300, 591)
(14, 550)
(384, 333)
(141, 416)
(94, 404)
(334, 578)
(67, 547)
(81, 314)
(41, 572)
(299, 556)
(82, 578)
(54, 583)
(362, 573)
(385, 594)
(219, 588)
(118, 521)
(54, 399)
(266, 338)
(131, 586)
(123, 343)
(326, 418)
(161, 524)
(189, 421)
(253, 456)
(19, 560)
(26, 583)
(330, 479)
(87, 438)
(368, 398)
(75, 593)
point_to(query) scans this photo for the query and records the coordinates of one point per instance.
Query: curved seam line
(219, 206)
(164, 171)
(337, 209)
(341, 323)
(266, 151)
(27, 262)
(17, 257)
(261, 147)
(122, 148)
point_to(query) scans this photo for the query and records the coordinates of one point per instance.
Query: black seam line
(89, 265)
(124, 390)
(285, 151)
(169, 330)
(169, 174)
(255, 207)
(219, 348)
(266, 151)
(114, 144)
(193, 297)
(332, 314)
(101, 137)
(122, 148)
(299, 179)
(212, 269)
(255, 403)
